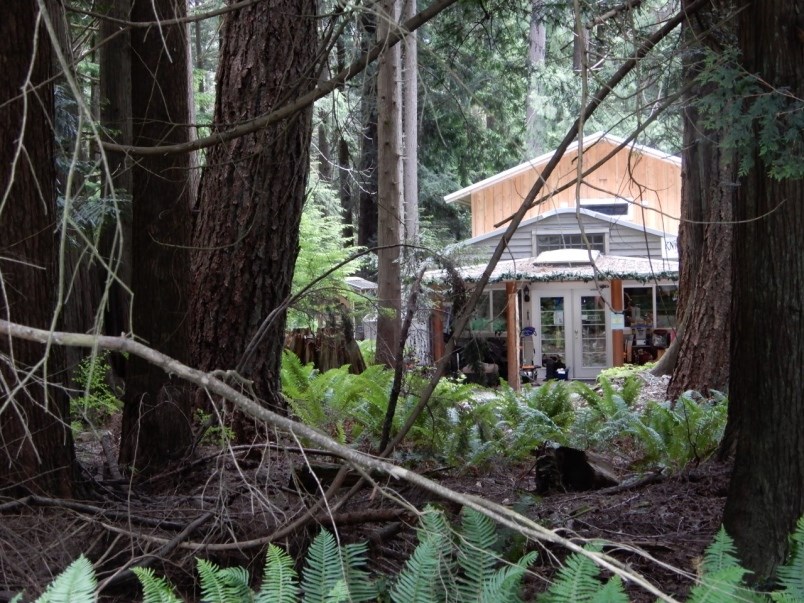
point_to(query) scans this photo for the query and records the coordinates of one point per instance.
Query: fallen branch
(43, 501)
(366, 463)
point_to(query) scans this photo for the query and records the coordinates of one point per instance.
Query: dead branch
(364, 462)
(43, 501)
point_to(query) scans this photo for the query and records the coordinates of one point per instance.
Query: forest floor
(223, 506)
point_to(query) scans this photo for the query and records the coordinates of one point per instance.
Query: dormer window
(609, 207)
(551, 242)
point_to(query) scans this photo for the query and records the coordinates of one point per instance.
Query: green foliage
(672, 435)
(751, 117)
(344, 405)
(215, 433)
(322, 245)
(578, 581)
(529, 418)
(606, 417)
(99, 401)
(155, 589)
(462, 568)
(280, 583)
(331, 569)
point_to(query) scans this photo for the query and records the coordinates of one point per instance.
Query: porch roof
(607, 267)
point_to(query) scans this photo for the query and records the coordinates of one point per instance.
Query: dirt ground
(223, 505)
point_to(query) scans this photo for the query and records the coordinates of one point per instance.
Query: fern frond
(420, 579)
(506, 582)
(721, 554)
(76, 584)
(279, 581)
(791, 574)
(223, 585)
(155, 589)
(576, 581)
(322, 568)
(611, 592)
(339, 593)
(475, 553)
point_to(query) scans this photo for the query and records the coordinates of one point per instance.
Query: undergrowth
(98, 401)
(469, 425)
(448, 564)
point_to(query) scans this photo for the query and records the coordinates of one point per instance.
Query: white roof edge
(458, 196)
(569, 210)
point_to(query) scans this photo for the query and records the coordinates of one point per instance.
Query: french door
(573, 329)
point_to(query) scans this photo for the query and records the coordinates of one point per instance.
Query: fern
(154, 588)
(475, 557)
(76, 584)
(326, 565)
(422, 579)
(223, 585)
(791, 575)
(577, 581)
(280, 583)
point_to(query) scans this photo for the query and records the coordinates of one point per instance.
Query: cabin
(589, 278)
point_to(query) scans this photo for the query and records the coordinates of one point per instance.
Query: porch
(567, 314)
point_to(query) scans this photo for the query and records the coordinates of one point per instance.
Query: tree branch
(494, 511)
(300, 103)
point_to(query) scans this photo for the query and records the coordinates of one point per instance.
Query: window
(597, 240)
(615, 208)
(489, 314)
(666, 303)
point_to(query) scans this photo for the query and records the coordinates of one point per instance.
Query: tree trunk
(705, 234)
(367, 202)
(247, 233)
(389, 218)
(536, 128)
(36, 445)
(411, 130)
(115, 242)
(157, 414)
(766, 495)
(345, 167)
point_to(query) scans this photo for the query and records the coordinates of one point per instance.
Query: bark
(157, 414)
(367, 202)
(705, 234)
(536, 128)
(115, 92)
(36, 446)
(345, 167)
(410, 86)
(247, 233)
(389, 218)
(766, 494)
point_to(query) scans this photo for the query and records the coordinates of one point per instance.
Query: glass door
(553, 327)
(591, 338)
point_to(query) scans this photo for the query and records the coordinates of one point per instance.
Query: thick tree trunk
(389, 224)
(367, 201)
(766, 495)
(705, 234)
(247, 233)
(157, 415)
(36, 446)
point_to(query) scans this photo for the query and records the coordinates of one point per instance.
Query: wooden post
(512, 335)
(438, 333)
(617, 339)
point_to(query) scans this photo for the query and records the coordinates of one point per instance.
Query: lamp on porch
(526, 293)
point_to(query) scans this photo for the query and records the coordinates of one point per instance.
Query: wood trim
(512, 334)
(617, 337)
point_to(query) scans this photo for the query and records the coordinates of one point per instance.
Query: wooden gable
(645, 178)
